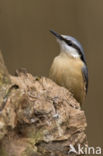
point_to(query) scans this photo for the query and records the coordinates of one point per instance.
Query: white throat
(68, 49)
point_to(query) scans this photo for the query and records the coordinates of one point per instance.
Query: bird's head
(70, 45)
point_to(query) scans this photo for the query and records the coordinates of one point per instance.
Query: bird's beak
(57, 35)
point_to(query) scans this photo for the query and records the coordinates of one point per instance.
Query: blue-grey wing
(85, 76)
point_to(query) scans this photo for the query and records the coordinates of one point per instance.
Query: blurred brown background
(26, 42)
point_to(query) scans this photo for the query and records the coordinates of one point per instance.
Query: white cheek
(68, 49)
(73, 52)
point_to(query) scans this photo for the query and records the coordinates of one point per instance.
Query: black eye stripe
(70, 43)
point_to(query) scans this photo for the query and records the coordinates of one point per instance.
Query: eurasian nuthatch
(69, 68)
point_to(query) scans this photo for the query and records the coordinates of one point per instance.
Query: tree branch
(37, 117)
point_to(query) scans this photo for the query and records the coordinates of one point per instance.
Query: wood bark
(37, 117)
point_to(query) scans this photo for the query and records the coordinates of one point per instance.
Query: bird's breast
(67, 72)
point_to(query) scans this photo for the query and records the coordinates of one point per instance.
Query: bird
(69, 69)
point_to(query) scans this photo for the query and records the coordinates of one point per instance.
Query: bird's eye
(70, 43)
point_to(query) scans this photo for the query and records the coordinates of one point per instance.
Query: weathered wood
(38, 117)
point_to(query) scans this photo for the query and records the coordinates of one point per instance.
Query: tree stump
(37, 117)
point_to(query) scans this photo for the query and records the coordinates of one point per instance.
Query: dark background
(26, 42)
